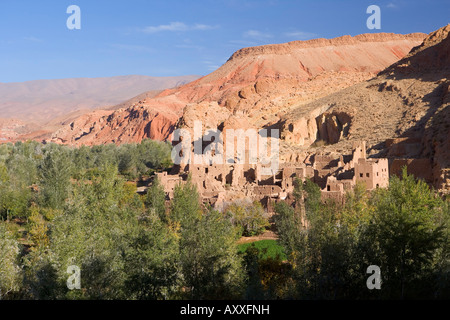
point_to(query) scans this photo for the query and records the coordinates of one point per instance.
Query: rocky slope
(259, 83)
(403, 114)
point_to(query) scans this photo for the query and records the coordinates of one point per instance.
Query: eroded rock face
(332, 127)
(303, 131)
(121, 126)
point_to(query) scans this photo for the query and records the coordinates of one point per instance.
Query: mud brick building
(221, 184)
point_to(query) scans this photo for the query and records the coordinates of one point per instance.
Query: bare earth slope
(259, 83)
(403, 113)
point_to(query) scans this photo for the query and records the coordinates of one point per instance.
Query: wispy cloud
(255, 34)
(391, 5)
(300, 35)
(177, 27)
(211, 65)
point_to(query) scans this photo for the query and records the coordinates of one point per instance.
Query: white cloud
(391, 5)
(300, 35)
(177, 27)
(255, 34)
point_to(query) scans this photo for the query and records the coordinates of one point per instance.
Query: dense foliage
(404, 230)
(62, 207)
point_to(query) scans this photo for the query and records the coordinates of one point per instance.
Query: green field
(268, 248)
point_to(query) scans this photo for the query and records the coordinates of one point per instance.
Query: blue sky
(171, 38)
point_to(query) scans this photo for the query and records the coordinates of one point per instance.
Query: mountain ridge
(252, 86)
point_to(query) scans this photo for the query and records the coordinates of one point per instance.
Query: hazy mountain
(43, 100)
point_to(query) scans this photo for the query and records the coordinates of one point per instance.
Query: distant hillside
(43, 100)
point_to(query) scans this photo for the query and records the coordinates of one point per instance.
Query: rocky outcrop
(332, 127)
(287, 48)
(304, 131)
(121, 126)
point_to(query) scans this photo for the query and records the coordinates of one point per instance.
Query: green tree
(154, 155)
(94, 234)
(151, 262)
(249, 218)
(321, 252)
(38, 229)
(155, 200)
(254, 287)
(292, 234)
(211, 266)
(127, 161)
(17, 175)
(55, 172)
(94, 238)
(185, 207)
(312, 200)
(267, 278)
(357, 209)
(10, 271)
(404, 236)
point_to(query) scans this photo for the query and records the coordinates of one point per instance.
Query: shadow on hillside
(430, 65)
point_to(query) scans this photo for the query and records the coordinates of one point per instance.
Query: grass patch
(267, 248)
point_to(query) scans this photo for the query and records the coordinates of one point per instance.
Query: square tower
(374, 173)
